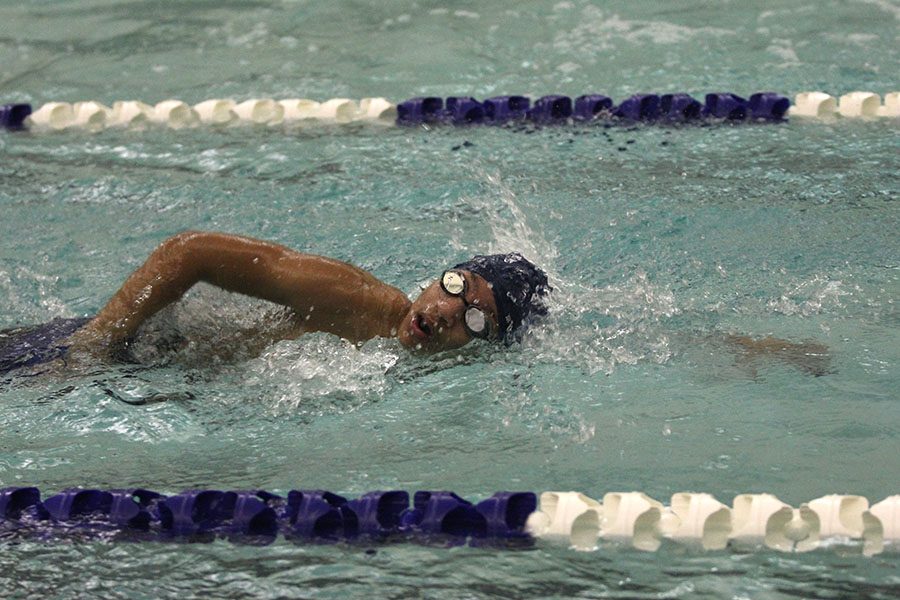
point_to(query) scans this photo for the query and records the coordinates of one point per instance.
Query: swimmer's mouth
(421, 328)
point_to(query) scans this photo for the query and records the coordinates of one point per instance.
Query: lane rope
(512, 519)
(454, 110)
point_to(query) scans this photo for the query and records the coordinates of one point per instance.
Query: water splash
(231, 340)
(321, 373)
(593, 327)
(31, 295)
(602, 32)
(809, 297)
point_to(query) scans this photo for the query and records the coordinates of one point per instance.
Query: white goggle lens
(454, 283)
(475, 320)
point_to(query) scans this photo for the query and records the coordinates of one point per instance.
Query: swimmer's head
(493, 297)
(519, 289)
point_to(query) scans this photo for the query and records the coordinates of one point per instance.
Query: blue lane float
(725, 106)
(377, 514)
(557, 109)
(259, 516)
(769, 106)
(592, 106)
(640, 107)
(679, 107)
(551, 109)
(12, 116)
(15, 500)
(420, 110)
(464, 111)
(501, 109)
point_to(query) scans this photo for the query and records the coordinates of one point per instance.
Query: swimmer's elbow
(194, 240)
(185, 253)
(183, 238)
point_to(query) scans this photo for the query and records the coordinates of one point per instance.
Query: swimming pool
(655, 251)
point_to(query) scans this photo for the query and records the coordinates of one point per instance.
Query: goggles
(475, 321)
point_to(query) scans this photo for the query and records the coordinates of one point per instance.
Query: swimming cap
(519, 289)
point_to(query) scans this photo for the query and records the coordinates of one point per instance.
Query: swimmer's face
(436, 319)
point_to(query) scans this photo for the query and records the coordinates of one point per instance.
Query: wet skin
(324, 294)
(435, 320)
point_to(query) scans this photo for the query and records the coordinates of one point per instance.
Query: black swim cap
(519, 289)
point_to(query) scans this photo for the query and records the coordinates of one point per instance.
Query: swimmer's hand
(810, 357)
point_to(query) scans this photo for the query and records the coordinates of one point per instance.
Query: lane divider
(854, 104)
(702, 522)
(94, 116)
(767, 106)
(259, 516)
(694, 520)
(455, 110)
(12, 116)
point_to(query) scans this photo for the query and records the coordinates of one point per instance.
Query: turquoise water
(656, 252)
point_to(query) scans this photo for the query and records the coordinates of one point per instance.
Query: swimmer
(493, 298)
(489, 297)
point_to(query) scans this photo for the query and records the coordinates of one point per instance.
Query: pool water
(660, 242)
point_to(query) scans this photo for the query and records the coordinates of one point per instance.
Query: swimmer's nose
(445, 323)
(449, 310)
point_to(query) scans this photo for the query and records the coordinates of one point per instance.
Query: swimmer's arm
(811, 357)
(256, 268)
